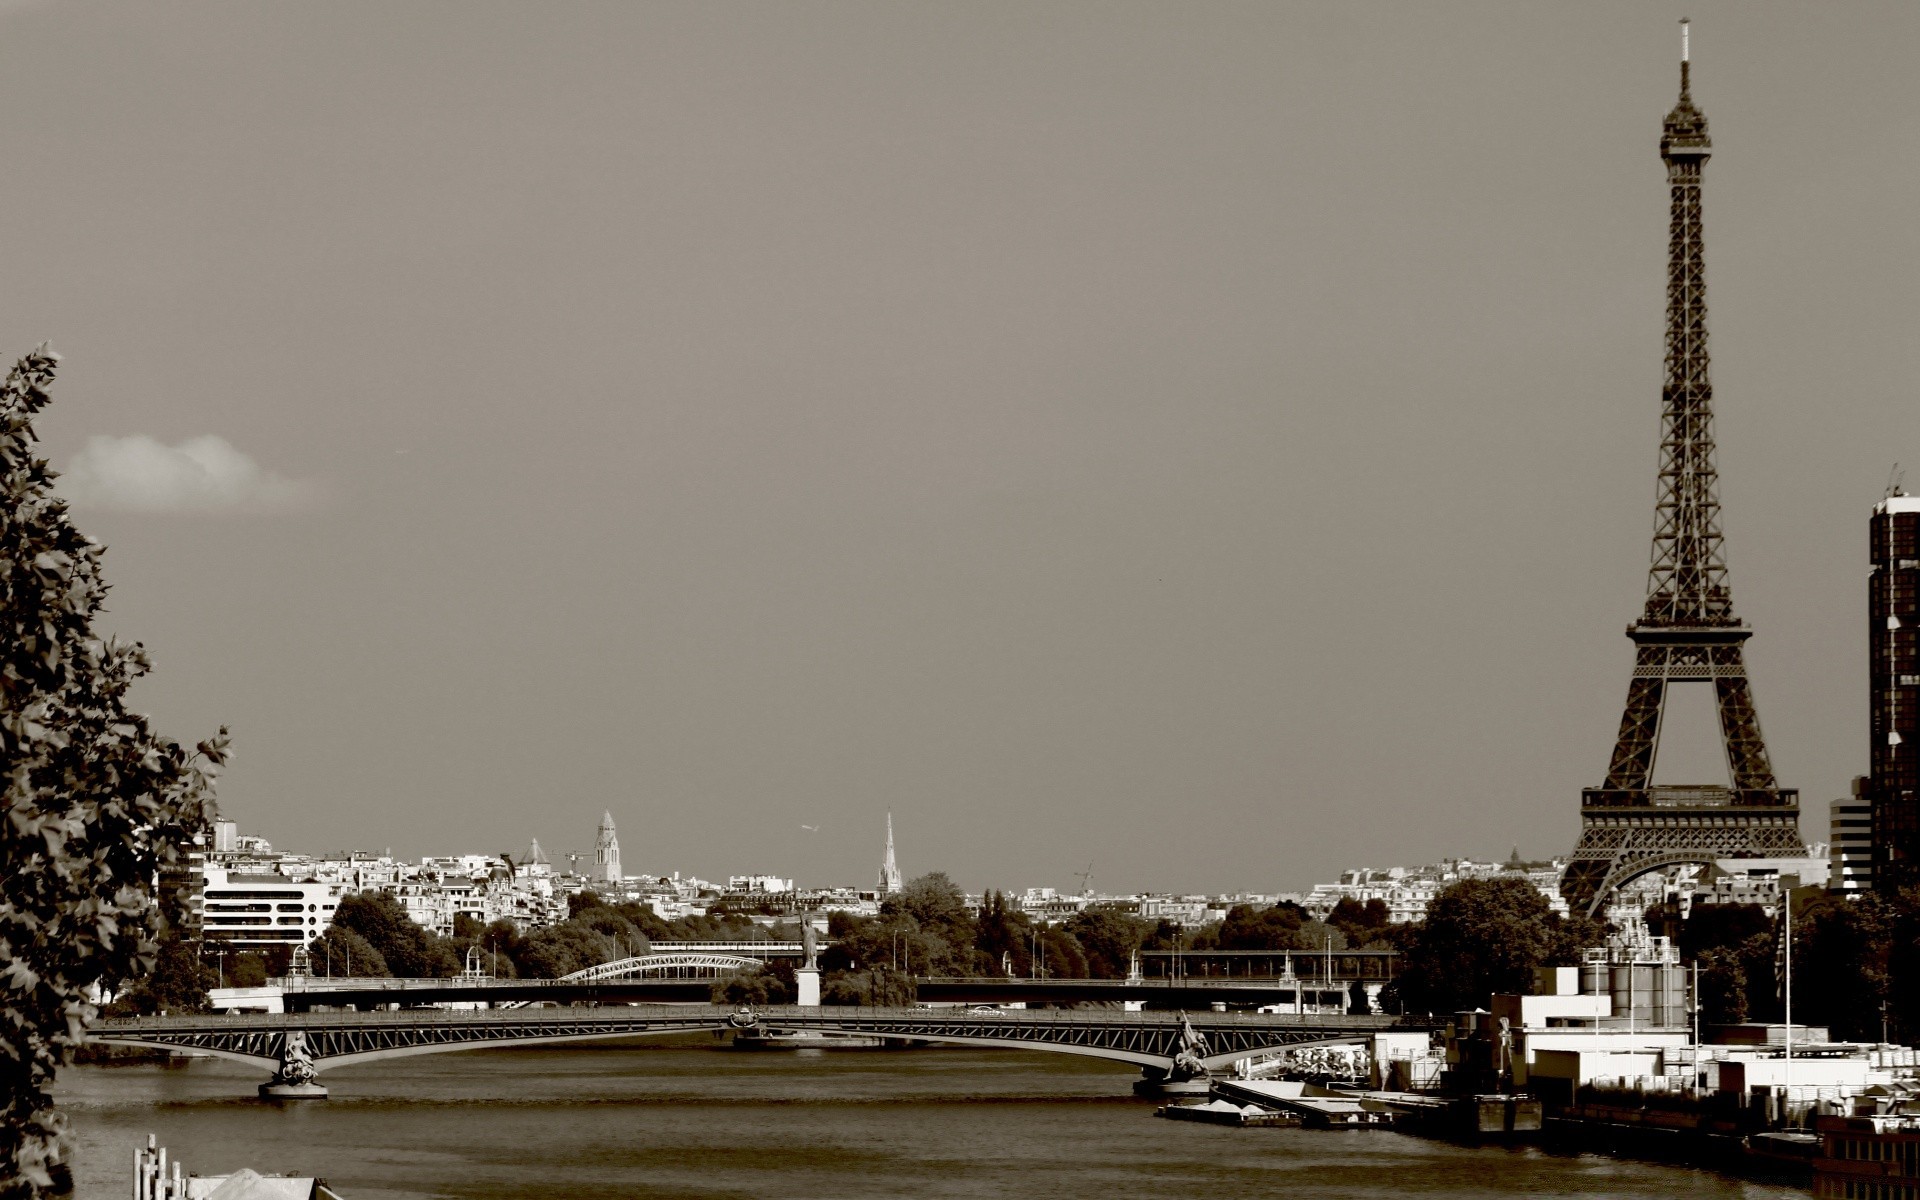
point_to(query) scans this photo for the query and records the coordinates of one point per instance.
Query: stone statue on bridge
(1187, 1060)
(296, 1074)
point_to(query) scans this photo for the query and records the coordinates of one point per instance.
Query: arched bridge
(296, 1046)
(677, 964)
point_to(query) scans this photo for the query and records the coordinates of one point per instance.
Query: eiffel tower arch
(1687, 632)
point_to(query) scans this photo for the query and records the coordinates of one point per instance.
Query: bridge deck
(340, 1038)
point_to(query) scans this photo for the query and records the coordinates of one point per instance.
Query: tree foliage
(341, 951)
(1483, 936)
(98, 805)
(178, 983)
(1363, 925)
(408, 950)
(1108, 940)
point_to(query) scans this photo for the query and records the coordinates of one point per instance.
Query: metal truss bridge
(686, 976)
(296, 1046)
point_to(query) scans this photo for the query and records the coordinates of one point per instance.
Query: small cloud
(203, 474)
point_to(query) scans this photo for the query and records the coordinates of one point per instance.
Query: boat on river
(1226, 1112)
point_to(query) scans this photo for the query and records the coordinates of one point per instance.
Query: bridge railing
(359, 983)
(749, 949)
(774, 1015)
(1196, 982)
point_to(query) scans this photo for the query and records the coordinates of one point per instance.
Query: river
(686, 1120)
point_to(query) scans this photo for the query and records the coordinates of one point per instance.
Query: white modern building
(1850, 844)
(255, 911)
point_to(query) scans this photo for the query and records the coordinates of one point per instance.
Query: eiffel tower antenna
(1687, 632)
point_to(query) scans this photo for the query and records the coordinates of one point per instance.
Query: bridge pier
(1161, 1083)
(295, 1078)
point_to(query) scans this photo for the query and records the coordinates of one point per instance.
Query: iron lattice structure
(1688, 632)
(322, 1040)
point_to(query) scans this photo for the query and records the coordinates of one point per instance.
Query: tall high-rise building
(889, 870)
(1893, 641)
(606, 853)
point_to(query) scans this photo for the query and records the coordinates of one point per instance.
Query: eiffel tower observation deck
(1688, 632)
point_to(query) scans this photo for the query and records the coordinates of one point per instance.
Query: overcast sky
(1211, 441)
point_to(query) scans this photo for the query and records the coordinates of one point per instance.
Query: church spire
(606, 853)
(889, 870)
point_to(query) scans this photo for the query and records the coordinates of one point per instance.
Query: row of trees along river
(1858, 961)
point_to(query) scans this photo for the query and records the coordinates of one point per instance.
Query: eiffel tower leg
(1747, 759)
(1584, 882)
(1639, 739)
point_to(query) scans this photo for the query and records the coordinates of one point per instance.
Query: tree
(409, 950)
(575, 945)
(1108, 940)
(1841, 949)
(98, 805)
(247, 969)
(179, 983)
(1283, 926)
(341, 951)
(619, 931)
(1903, 964)
(1735, 945)
(1000, 935)
(880, 987)
(1481, 936)
(1718, 926)
(938, 930)
(1723, 986)
(1360, 923)
(757, 987)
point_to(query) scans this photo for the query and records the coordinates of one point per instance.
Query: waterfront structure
(1893, 639)
(1687, 632)
(606, 853)
(1850, 841)
(889, 870)
(1876, 1155)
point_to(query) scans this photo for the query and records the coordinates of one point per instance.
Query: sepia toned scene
(837, 599)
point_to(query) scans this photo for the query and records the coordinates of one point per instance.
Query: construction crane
(1086, 880)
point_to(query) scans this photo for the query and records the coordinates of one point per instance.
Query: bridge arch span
(320, 1041)
(679, 962)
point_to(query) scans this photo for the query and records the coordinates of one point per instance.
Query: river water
(685, 1120)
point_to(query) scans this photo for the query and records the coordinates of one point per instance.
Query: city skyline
(1096, 435)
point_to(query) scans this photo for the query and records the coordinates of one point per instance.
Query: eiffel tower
(1688, 632)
